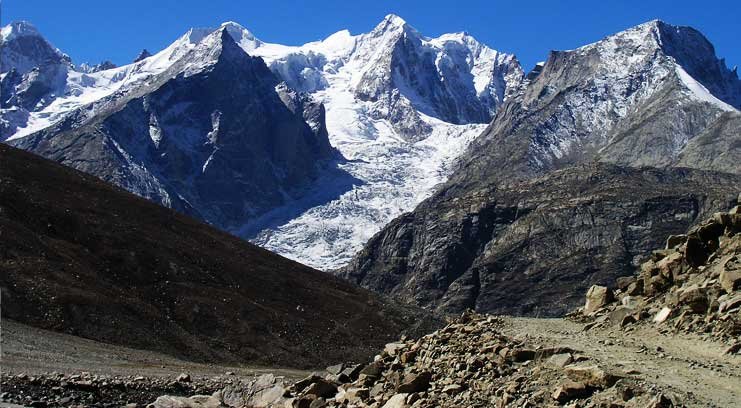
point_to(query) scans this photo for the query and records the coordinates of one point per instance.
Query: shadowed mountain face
(214, 136)
(85, 258)
(573, 181)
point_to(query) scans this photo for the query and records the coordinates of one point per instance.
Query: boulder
(695, 252)
(397, 401)
(560, 360)
(597, 297)
(730, 274)
(695, 299)
(570, 390)
(321, 388)
(662, 315)
(591, 376)
(675, 240)
(197, 401)
(415, 382)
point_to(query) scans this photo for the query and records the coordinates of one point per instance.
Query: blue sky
(94, 30)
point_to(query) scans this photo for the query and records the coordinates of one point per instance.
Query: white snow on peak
(699, 92)
(18, 29)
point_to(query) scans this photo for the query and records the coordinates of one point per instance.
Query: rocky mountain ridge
(628, 101)
(400, 141)
(191, 140)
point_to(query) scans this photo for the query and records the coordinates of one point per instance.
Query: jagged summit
(144, 54)
(19, 29)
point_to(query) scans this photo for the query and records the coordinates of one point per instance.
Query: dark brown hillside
(80, 256)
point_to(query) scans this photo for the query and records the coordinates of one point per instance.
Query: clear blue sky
(94, 30)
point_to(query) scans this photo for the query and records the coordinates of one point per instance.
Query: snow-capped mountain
(400, 108)
(595, 157)
(201, 127)
(634, 98)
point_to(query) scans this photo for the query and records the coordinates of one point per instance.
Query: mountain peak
(143, 55)
(393, 23)
(19, 29)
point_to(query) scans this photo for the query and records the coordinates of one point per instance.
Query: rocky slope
(524, 224)
(190, 139)
(85, 258)
(487, 361)
(692, 285)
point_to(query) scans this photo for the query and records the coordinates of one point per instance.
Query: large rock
(597, 297)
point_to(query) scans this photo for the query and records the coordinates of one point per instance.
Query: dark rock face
(221, 140)
(534, 247)
(88, 259)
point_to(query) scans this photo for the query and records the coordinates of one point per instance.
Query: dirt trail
(684, 363)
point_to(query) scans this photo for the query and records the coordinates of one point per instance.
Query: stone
(730, 279)
(335, 369)
(670, 266)
(597, 297)
(729, 303)
(623, 282)
(592, 376)
(695, 252)
(660, 401)
(352, 371)
(415, 382)
(560, 360)
(397, 401)
(734, 349)
(198, 401)
(675, 240)
(452, 389)
(662, 315)
(373, 369)
(695, 299)
(393, 348)
(520, 355)
(184, 378)
(318, 403)
(569, 390)
(635, 288)
(321, 388)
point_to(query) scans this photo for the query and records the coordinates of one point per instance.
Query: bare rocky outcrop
(692, 284)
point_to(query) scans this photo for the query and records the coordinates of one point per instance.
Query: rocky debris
(692, 285)
(468, 363)
(85, 389)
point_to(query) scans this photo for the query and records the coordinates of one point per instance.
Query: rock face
(213, 136)
(529, 215)
(85, 258)
(692, 285)
(534, 247)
